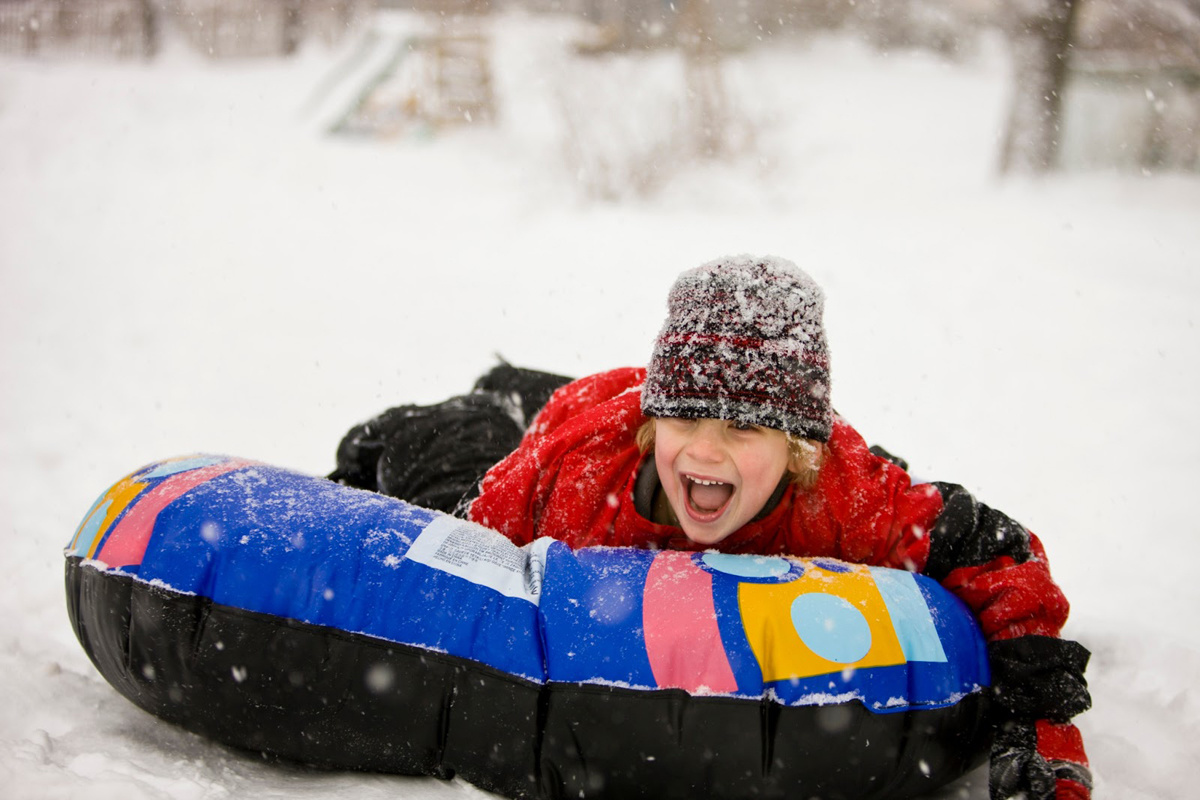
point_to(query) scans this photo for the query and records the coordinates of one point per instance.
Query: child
(728, 441)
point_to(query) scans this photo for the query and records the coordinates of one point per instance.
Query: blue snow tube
(299, 618)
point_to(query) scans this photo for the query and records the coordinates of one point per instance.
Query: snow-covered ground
(187, 263)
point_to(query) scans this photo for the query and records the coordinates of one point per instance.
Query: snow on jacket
(574, 478)
(574, 474)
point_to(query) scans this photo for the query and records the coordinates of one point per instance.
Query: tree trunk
(705, 102)
(151, 33)
(1040, 36)
(293, 26)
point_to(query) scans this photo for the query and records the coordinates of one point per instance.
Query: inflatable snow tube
(299, 618)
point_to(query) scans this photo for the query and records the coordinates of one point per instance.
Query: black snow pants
(435, 456)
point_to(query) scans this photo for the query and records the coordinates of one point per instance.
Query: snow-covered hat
(743, 341)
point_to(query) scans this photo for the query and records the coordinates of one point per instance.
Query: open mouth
(706, 498)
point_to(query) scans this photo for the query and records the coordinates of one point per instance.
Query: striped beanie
(743, 341)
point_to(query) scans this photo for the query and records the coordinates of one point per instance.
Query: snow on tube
(299, 618)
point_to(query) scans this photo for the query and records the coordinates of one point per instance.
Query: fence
(120, 28)
(134, 28)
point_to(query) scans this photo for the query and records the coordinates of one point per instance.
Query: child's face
(717, 474)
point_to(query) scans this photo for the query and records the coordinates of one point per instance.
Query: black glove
(1039, 677)
(1017, 769)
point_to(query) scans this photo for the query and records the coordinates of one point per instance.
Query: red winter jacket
(573, 478)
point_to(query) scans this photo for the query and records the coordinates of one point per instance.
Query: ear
(803, 455)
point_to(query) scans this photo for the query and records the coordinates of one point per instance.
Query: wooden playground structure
(431, 81)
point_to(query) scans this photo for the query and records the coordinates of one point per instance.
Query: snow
(190, 265)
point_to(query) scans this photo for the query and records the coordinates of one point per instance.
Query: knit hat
(743, 341)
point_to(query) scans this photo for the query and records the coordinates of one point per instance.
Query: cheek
(663, 458)
(764, 467)
(666, 449)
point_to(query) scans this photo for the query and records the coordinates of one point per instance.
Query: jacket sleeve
(538, 486)
(866, 509)
(999, 569)
(995, 566)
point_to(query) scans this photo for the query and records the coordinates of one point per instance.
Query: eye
(745, 427)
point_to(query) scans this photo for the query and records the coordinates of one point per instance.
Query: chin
(706, 538)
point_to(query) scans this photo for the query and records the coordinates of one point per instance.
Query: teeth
(706, 483)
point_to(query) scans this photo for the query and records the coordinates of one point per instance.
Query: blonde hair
(809, 454)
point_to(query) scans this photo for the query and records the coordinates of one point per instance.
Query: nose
(705, 442)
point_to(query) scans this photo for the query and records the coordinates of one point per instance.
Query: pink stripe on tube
(680, 620)
(126, 545)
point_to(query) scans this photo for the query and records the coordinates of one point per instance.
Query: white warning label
(482, 556)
